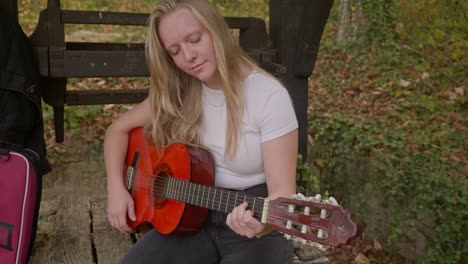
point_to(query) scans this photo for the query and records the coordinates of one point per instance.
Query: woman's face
(190, 45)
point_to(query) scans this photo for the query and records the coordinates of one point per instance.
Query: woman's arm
(119, 202)
(279, 161)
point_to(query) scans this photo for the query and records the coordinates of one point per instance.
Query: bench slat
(96, 97)
(83, 63)
(107, 18)
(135, 19)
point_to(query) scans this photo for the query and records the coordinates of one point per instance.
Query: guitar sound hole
(159, 189)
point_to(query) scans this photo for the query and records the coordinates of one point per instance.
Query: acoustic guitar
(172, 189)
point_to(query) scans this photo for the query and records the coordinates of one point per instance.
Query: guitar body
(178, 161)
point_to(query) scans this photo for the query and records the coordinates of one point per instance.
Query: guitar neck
(213, 198)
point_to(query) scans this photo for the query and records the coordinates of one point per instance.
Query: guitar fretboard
(213, 198)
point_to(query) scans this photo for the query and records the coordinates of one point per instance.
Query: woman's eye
(195, 39)
(174, 52)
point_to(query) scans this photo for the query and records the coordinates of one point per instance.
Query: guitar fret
(227, 202)
(174, 187)
(168, 190)
(179, 190)
(214, 197)
(198, 194)
(208, 198)
(182, 191)
(235, 201)
(176, 194)
(219, 204)
(185, 192)
(190, 196)
(193, 193)
(203, 194)
(253, 205)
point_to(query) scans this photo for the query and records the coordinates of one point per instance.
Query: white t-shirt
(268, 114)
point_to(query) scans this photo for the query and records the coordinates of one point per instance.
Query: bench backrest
(60, 60)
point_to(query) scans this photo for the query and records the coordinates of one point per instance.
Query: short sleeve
(277, 115)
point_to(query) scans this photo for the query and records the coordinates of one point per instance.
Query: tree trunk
(351, 22)
(357, 22)
(344, 23)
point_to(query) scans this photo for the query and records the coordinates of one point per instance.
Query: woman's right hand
(119, 201)
(119, 204)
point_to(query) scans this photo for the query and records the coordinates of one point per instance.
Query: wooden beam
(11, 7)
(296, 27)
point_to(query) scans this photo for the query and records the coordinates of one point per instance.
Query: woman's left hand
(241, 221)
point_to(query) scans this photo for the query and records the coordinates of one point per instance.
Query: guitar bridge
(131, 171)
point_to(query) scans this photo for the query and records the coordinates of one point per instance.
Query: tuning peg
(298, 196)
(331, 200)
(318, 197)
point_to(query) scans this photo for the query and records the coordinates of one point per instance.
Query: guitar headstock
(312, 219)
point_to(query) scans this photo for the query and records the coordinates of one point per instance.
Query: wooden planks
(110, 245)
(70, 242)
(73, 226)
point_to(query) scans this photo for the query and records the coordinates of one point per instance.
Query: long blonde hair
(176, 96)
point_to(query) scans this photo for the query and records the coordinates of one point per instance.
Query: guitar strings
(192, 197)
(160, 186)
(195, 200)
(162, 183)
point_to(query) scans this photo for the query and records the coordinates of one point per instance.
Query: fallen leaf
(460, 91)
(320, 163)
(108, 107)
(424, 75)
(361, 259)
(377, 245)
(404, 83)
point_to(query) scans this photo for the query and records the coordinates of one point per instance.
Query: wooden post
(296, 27)
(11, 6)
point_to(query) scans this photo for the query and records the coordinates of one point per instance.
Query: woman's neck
(215, 83)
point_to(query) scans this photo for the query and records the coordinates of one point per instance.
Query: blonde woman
(206, 91)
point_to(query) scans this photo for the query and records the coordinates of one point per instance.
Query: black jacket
(21, 122)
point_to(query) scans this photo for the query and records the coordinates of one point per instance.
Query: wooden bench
(290, 49)
(60, 60)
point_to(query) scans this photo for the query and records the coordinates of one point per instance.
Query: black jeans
(214, 243)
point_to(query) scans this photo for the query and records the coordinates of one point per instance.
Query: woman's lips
(197, 67)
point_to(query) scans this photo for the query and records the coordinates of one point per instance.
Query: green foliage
(307, 178)
(389, 123)
(85, 122)
(380, 17)
(253, 8)
(409, 175)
